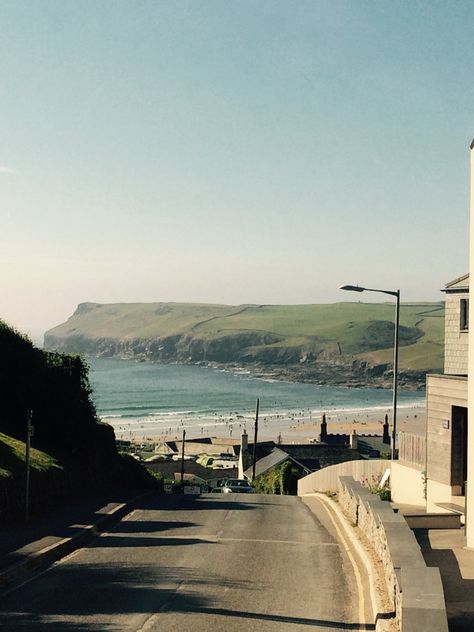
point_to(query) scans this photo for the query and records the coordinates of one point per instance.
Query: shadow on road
(92, 596)
(275, 618)
(183, 502)
(151, 526)
(87, 591)
(124, 541)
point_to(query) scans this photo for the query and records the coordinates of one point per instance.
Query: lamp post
(396, 293)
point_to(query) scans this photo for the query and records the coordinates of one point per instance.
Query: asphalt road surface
(229, 562)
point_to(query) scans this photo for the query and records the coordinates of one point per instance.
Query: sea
(146, 400)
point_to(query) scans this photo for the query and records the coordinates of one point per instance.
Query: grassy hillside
(71, 450)
(13, 456)
(272, 334)
(127, 321)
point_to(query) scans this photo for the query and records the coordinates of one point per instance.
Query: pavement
(25, 548)
(446, 550)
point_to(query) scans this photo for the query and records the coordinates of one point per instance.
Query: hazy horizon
(231, 152)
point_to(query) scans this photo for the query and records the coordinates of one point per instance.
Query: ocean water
(154, 399)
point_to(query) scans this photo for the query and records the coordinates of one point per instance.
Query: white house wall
(437, 493)
(407, 484)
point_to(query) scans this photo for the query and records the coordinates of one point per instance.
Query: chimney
(353, 440)
(244, 442)
(324, 429)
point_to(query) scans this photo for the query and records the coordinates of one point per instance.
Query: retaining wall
(415, 591)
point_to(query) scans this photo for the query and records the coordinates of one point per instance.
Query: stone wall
(456, 340)
(415, 591)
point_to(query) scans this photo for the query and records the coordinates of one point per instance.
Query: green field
(348, 330)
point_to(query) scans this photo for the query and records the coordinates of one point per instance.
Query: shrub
(374, 488)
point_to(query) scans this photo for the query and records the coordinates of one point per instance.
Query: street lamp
(396, 293)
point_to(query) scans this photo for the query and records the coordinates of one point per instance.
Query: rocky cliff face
(239, 347)
(327, 344)
(256, 350)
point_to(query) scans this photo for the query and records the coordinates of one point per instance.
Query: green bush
(279, 480)
(80, 450)
(374, 488)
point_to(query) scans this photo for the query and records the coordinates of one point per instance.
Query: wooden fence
(412, 449)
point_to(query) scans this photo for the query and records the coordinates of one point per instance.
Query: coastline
(155, 402)
(355, 374)
(293, 426)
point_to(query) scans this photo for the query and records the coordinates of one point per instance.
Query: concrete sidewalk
(446, 549)
(28, 547)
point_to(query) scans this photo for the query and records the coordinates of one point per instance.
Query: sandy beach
(294, 426)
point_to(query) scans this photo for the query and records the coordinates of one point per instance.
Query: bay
(162, 399)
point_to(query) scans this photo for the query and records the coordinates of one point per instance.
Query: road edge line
(333, 508)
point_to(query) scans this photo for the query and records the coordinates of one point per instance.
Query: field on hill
(268, 334)
(360, 329)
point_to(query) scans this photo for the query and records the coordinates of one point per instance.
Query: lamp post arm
(395, 293)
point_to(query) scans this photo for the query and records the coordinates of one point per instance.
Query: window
(464, 322)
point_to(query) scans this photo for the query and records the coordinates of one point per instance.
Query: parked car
(237, 485)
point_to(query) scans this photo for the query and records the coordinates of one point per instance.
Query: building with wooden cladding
(446, 406)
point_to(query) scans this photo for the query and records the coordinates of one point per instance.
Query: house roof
(273, 459)
(169, 468)
(263, 448)
(458, 285)
(214, 449)
(225, 440)
(310, 464)
(276, 457)
(166, 447)
(200, 440)
(372, 446)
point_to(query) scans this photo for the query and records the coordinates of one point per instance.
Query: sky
(231, 151)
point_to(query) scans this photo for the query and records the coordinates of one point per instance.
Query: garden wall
(415, 591)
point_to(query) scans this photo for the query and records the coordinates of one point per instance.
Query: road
(229, 562)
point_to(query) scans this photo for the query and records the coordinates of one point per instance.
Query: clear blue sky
(231, 151)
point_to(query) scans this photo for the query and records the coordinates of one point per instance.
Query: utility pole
(182, 459)
(254, 459)
(29, 434)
